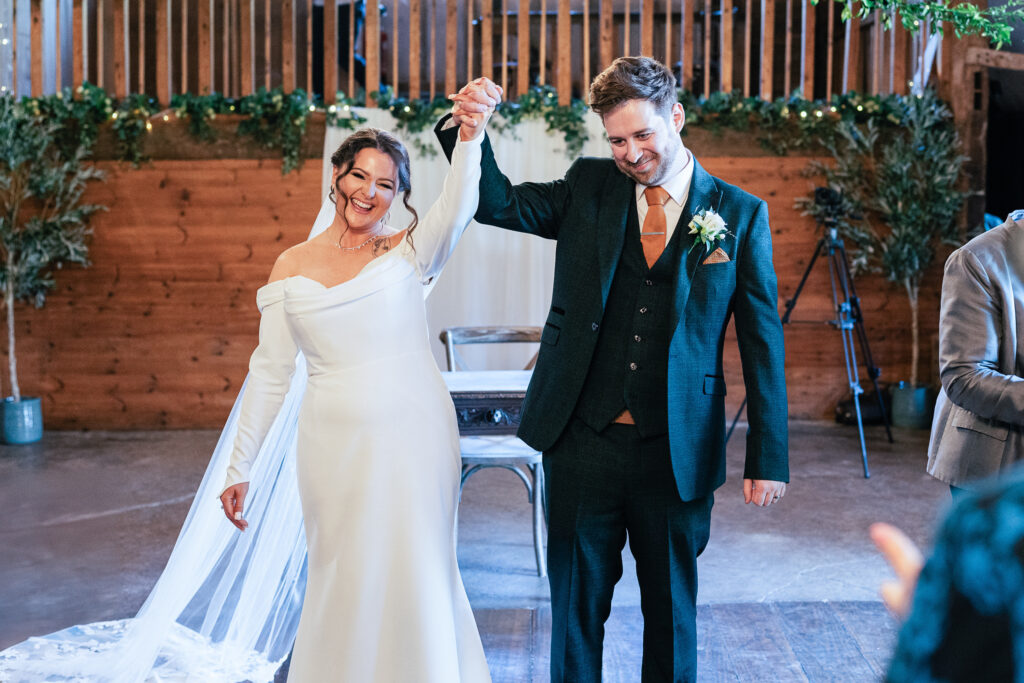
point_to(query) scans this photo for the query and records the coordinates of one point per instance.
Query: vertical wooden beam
(469, 39)
(707, 47)
(585, 89)
(204, 78)
(606, 33)
(487, 39)
(432, 66)
(807, 58)
(162, 48)
(120, 62)
(78, 44)
(36, 43)
(901, 63)
(247, 45)
(830, 55)
(309, 48)
(767, 48)
(56, 48)
(351, 88)
(876, 54)
(647, 27)
(451, 40)
(288, 45)
(504, 47)
(725, 58)
(184, 46)
(101, 43)
(890, 54)
(523, 51)
(852, 55)
(627, 13)
(668, 34)
(394, 45)
(238, 32)
(372, 54)
(748, 28)
(542, 57)
(686, 44)
(268, 55)
(227, 38)
(564, 28)
(140, 62)
(415, 47)
(331, 53)
(787, 76)
(14, 51)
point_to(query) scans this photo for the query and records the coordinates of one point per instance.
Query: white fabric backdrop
(496, 277)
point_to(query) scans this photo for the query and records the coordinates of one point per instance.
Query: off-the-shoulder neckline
(339, 284)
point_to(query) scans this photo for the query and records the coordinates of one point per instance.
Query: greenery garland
(277, 120)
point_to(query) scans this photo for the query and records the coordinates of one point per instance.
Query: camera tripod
(849, 321)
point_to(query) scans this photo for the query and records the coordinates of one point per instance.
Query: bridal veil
(227, 605)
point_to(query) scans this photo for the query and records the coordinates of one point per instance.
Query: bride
(343, 397)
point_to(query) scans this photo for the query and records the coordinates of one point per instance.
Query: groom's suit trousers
(603, 487)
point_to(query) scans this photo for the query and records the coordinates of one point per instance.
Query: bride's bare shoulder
(290, 262)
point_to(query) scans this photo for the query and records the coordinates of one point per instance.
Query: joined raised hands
(473, 106)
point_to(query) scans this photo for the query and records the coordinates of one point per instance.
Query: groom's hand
(763, 492)
(473, 106)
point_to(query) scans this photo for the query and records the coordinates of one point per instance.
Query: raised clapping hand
(763, 492)
(905, 559)
(231, 500)
(474, 105)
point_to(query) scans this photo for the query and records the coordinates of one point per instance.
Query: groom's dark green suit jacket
(586, 212)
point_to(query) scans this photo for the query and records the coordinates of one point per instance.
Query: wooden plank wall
(158, 332)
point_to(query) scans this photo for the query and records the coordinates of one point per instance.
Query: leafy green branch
(966, 18)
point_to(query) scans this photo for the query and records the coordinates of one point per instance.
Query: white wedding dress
(377, 463)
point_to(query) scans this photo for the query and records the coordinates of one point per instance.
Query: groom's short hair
(633, 78)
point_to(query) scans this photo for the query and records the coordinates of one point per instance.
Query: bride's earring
(387, 218)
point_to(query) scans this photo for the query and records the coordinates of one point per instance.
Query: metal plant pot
(23, 420)
(912, 406)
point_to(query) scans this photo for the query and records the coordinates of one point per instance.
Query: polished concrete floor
(89, 519)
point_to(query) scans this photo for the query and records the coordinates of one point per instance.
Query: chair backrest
(453, 336)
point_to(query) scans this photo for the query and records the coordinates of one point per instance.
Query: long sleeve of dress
(270, 371)
(439, 230)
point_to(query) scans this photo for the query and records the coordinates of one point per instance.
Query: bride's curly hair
(383, 141)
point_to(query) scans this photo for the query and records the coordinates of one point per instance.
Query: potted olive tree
(900, 201)
(43, 225)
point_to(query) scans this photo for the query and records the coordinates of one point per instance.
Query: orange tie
(652, 235)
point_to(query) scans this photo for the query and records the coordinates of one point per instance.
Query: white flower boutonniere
(709, 228)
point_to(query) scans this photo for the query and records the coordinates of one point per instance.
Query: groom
(627, 398)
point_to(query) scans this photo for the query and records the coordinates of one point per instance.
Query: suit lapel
(703, 194)
(617, 193)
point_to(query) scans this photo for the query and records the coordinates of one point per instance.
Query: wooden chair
(505, 451)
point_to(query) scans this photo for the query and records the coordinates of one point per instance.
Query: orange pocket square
(717, 256)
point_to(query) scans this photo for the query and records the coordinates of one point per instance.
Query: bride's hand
(473, 106)
(232, 500)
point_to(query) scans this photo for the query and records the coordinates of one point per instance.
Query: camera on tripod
(830, 204)
(848, 317)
